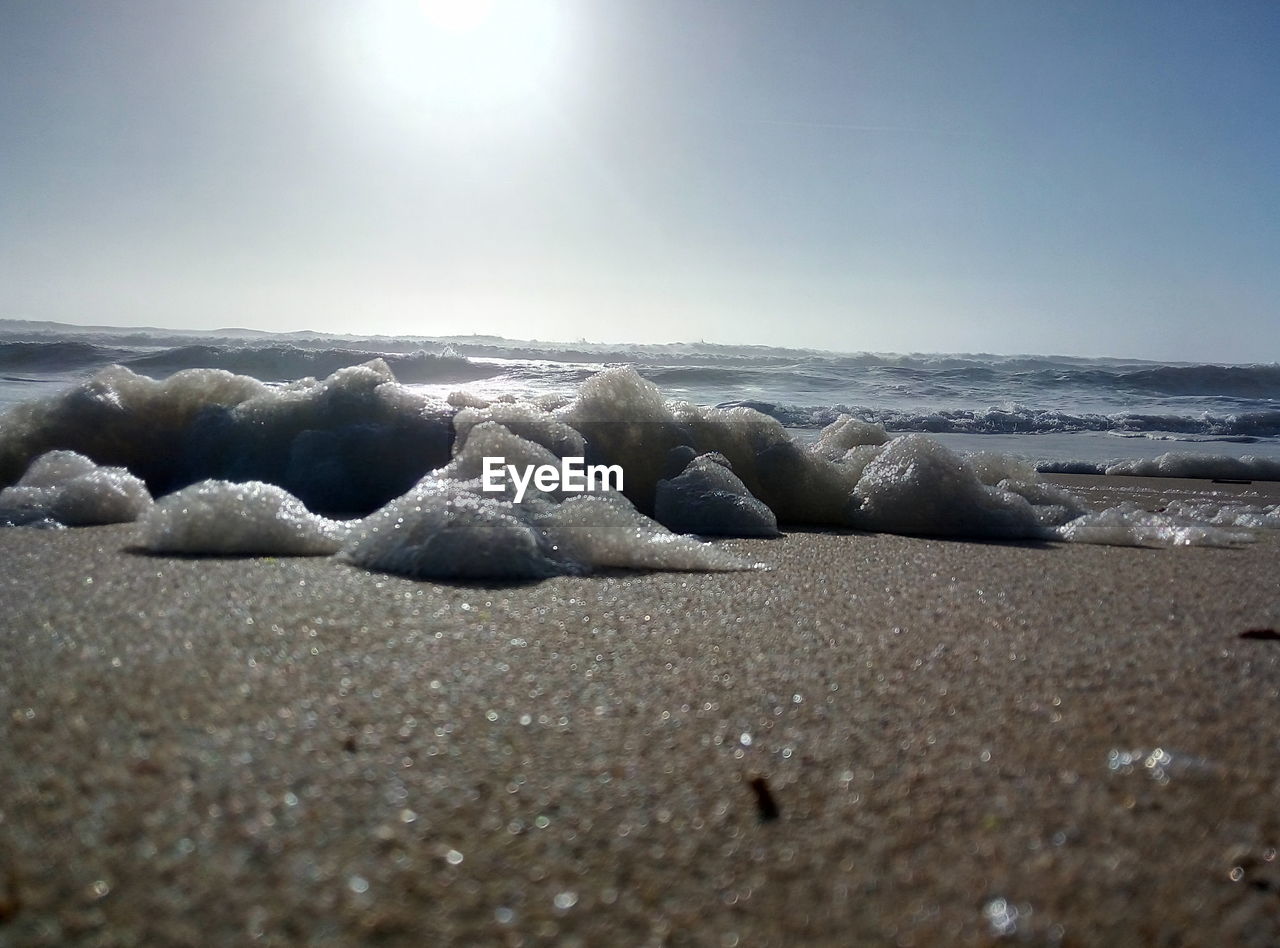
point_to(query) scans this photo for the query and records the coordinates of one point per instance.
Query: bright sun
(457, 16)
(460, 57)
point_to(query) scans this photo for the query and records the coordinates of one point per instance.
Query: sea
(1064, 414)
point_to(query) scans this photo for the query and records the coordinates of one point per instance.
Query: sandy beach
(884, 739)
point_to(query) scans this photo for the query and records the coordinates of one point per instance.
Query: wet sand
(956, 741)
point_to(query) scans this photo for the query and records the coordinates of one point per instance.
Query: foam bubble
(253, 518)
(626, 421)
(345, 444)
(462, 399)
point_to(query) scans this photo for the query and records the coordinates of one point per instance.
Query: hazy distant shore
(960, 740)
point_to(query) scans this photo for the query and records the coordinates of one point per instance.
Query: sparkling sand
(883, 740)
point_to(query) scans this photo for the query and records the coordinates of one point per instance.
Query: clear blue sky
(1097, 178)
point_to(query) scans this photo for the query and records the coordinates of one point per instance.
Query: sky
(1007, 176)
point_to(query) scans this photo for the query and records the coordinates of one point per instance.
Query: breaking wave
(1020, 419)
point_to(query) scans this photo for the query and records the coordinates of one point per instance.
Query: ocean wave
(1238, 381)
(1018, 419)
(285, 363)
(57, 357)
(933, 393)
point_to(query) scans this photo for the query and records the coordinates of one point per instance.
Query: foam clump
(344, 444)
(445, 529)
(846, 433)
(1129, 525)
(64, 488)
(492, 440)
(1229, 514)
(918, 486)
(525, 420)
(707, 498)
(463, 399)
(253, 518)
(798, 485)
(104, 495)
(121, 419)
(449, 527)
(55, 468)
(605, 530)
(359, 442)
(626, 421)
(347, 443)
(1182, 464)
(1051, 504)
(1207, 466)
(991, 467)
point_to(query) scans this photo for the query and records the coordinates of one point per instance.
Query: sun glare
(459, 57)
(457, 16)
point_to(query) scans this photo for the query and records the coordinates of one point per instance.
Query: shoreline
(960, 739)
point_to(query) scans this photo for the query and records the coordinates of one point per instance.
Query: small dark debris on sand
(1263, 635)
(765, 803)
(11, 897)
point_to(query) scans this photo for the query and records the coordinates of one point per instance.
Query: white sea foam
(56, 468)
(1052, 505)
(605, 530)
(1129, 525)
(119, 418)
(627, 422)
(1230, 514)
(104, 495)
(220, 517)
(706, 497)
(525, 420)
(359, 441)
(462, 399)
(1182, 464)
(846, 433)
(65, 488)
(347, 443)
(917, 486)
(492, 440)
(448, 529)
(991, 467)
